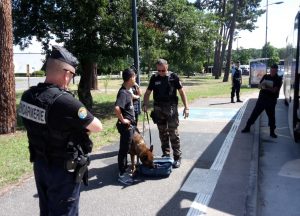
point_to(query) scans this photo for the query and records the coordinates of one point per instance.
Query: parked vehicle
(245, 69)
(291, 79)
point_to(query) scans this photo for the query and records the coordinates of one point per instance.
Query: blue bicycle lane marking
(197, 114)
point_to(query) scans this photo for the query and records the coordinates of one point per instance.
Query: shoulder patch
(82, 113)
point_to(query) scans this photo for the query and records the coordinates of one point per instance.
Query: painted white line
(224, 151)
(195, 184)
(199, 206)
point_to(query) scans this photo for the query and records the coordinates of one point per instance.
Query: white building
(22, 59)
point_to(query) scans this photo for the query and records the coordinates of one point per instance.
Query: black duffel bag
(163, 167)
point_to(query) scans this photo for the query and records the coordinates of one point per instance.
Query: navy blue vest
(34, 108)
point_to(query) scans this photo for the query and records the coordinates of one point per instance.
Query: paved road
(23, 83)
(202, 137)
(279, 171)
(216, 176)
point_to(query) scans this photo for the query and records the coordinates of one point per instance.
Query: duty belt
(171, 103)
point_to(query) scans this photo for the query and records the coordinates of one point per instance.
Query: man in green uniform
(164, 85)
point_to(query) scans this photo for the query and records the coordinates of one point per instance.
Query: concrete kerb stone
(252, 191)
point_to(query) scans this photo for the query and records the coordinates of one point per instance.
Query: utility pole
(135, 38)
(135, 41)
(266, 38)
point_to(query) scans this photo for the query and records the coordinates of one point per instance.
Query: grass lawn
(14, 156)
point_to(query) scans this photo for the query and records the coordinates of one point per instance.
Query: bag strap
(147, 116)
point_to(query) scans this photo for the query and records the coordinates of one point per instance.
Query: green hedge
(39, 73)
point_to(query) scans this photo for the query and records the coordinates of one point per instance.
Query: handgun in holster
(79, 147)
(81, 171)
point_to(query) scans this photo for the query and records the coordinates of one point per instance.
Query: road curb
(252, 191)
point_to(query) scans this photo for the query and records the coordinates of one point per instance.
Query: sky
(280, 23)
(34, 60)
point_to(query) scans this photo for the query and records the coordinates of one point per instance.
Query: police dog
(139, 148)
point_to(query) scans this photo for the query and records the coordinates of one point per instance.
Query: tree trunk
(217, 58)
(85, 83)
(231, 33)
(224, 45)
(94, 77)
(7, 79)
(218, 63)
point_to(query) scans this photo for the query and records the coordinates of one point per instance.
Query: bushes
(39, 73)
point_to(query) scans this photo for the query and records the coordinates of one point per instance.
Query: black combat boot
(238, 100)
(232, 101)
(177, 163)
(246, 129)
(272, 133)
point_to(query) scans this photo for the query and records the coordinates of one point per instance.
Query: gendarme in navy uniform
(165, 85)
(270, 85)
(236, 82)
(57, 126)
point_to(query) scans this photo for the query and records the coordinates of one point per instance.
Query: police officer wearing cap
(236, 77)
(164, 85)
(52, 118)
(270, 85)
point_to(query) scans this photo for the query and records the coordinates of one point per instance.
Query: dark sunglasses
(161, 70)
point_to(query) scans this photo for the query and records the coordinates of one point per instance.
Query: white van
(245, 69)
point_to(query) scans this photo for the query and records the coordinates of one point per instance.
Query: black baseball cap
(62, 54)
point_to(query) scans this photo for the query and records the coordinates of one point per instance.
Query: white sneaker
(125, 179)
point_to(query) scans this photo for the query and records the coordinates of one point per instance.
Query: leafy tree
(187, 32)
(243, 55)
(282, 53)
(7, 81)
(268, 51)
(244, 14)
(255, 53)
(151, 36)
(95, 31)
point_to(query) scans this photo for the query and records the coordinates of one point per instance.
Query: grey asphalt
(260, 176)
(279, 168)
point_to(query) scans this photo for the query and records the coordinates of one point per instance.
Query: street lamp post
(267, 7)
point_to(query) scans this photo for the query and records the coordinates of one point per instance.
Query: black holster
(81, 170)
(78, 148)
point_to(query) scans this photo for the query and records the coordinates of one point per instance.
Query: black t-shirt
(277, 82)
(165, 88)
(67, 113)
(124, 101)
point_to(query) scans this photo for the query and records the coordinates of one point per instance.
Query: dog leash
(147, 116)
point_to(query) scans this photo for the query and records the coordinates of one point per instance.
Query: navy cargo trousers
(57, 190)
